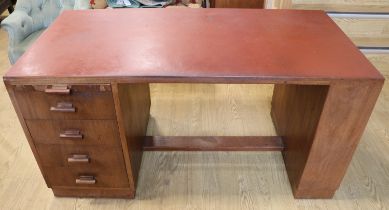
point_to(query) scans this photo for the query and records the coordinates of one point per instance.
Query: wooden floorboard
(202, 180)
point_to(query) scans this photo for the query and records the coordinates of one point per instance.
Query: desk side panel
(317, 156)
(132, 102)
(345, 115)
(296, 111)
(11, 93)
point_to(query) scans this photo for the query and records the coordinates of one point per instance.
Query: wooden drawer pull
(86, 180)
(58, 89)
(63, 107)
(74, 134)
(76, 158)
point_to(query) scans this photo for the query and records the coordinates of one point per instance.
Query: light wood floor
(202, 180)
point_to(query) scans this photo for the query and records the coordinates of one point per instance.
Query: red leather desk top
(192, 45)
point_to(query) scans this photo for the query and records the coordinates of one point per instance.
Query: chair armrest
(82, 4)
(18, 25)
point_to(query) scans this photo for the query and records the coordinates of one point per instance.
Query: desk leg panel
(317, 156)
(296, 111)
(132, 103)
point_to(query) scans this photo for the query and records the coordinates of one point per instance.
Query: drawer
(108, 177)
(80, 132)
(83, 102)
(332, 5)
(80, 156)
(364, 30)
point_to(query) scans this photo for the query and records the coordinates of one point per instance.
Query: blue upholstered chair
(30, 19)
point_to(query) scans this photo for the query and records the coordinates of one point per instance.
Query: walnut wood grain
(57, 155)
(94, 132)
(321, 127)
(214, 143)
(84, 102)
(105, 176)
(132, 102)
(15, 103)
(296, 111)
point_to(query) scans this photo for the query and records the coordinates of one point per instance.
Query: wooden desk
(88, 134)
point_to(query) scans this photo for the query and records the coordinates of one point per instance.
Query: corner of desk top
(6, 81)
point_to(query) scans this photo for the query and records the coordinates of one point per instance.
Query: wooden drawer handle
(77, 158)
(86, 180)
(58, 89)
(63, 107)
(74, 134)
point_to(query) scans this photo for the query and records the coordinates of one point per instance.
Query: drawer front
(335, 5)
(80, 156)
(83, 102)
(109, 177)
(365, 30)
(90, 132)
